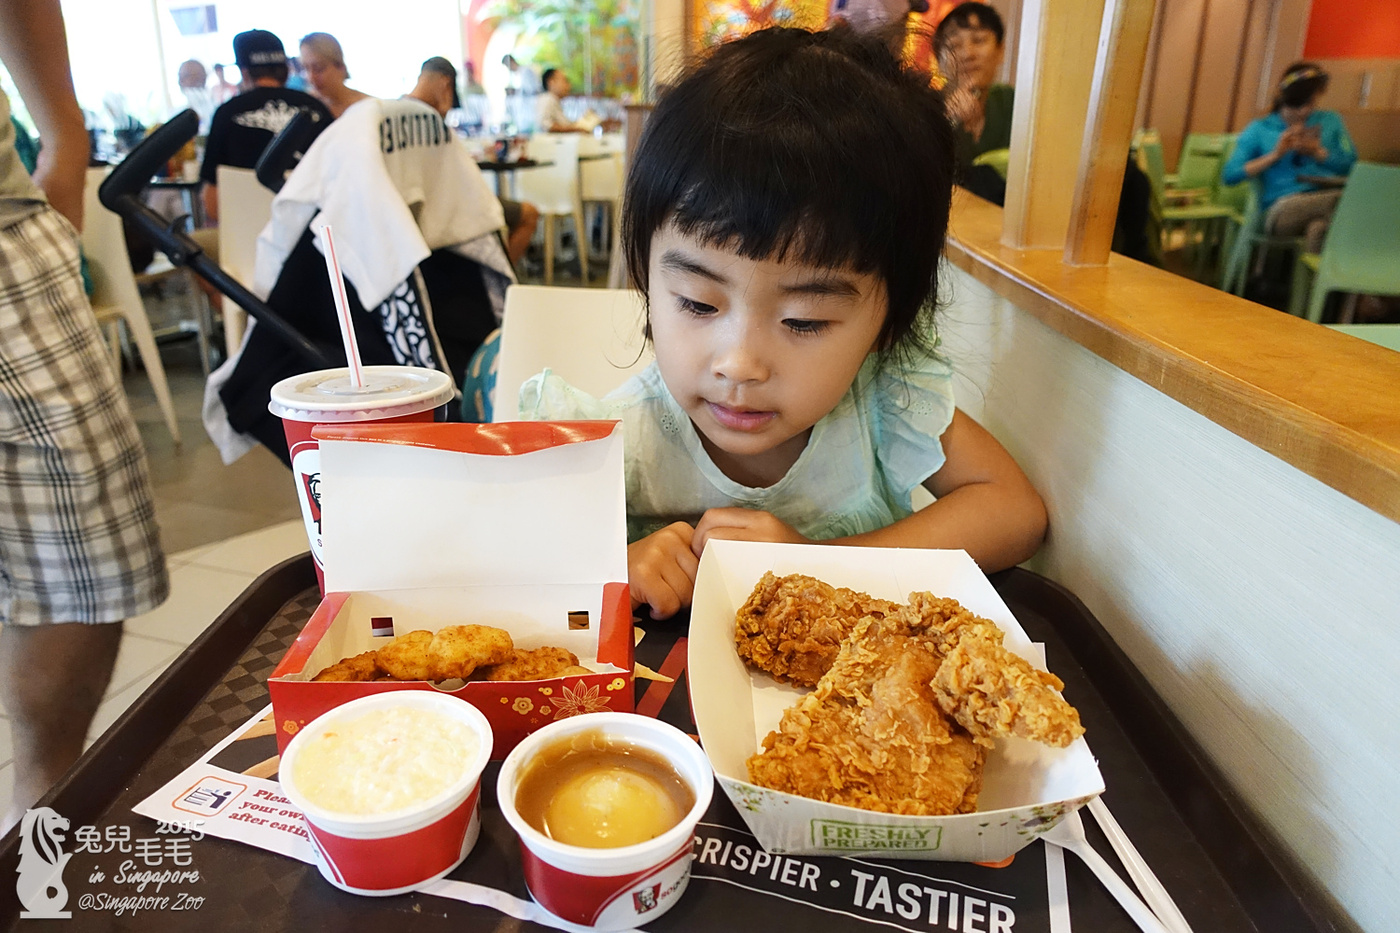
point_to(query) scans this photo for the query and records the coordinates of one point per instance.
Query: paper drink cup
(401, 850)
(390, 393)
(619, 888)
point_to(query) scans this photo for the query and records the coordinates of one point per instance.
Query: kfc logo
(645, 899)
(313, 496)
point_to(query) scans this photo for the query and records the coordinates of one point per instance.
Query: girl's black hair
(819, 147)
(1301, 82)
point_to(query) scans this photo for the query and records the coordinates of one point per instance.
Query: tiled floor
(221, 526)
(199, 500)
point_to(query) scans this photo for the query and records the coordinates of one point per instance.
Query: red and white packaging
(390, 394)
(394, 852)
(519, 526)
(619, 888)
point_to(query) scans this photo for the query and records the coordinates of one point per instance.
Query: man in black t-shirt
(242, 127)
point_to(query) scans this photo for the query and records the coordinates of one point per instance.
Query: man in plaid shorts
(78, 540)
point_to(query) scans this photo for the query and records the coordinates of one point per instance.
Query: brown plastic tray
(1220, 867)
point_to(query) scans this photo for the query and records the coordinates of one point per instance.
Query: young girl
(785, 215)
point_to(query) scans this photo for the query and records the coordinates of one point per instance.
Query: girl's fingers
(663, 603)
(678, 574)
(728, 533)
(717, 520)
(661, 569)
(688, 563)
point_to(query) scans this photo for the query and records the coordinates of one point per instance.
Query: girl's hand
(743, 525)
(661, 570)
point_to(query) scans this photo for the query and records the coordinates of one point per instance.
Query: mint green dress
(856, 474)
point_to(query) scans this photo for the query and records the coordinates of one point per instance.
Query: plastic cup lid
(328, 396)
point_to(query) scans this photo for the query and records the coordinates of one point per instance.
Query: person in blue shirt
(1282, 149)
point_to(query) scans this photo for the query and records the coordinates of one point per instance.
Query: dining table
(1211, 855)
(503, 170)
(189, 193)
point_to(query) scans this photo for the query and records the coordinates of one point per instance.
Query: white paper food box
(1027, 787)
(520, 526)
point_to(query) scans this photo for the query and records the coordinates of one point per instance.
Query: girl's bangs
(746, 203)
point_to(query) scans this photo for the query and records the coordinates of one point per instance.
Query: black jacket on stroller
(416, 228)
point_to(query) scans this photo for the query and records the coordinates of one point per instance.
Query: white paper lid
(327, 396)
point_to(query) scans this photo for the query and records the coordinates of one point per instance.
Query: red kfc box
(519, 526)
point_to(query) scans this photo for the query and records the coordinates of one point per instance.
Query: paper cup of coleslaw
(609, 888)
(390, 787)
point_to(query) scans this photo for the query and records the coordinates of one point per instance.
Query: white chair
(160, 272)
(591, 337)
(554, 190)
(600, 175)
(244, 209)
(115, 297)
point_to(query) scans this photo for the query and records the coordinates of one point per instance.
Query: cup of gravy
(605, 805)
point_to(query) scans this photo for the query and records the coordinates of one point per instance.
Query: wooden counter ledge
(1327, 403)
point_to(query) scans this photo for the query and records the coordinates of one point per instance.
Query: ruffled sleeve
(546, 397)
(911, 406)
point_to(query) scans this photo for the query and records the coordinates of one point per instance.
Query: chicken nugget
(575, 671)
(457, 650)
(360, 667)
(540, 664)
(406, 657)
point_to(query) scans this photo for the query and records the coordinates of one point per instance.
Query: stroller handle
(120, 193)
(136, 170)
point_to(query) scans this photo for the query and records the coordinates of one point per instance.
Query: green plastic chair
(1202, 155)
(1248, 236)
(1203, 218)
(1149, 144)
(1385, 335)
(1235, 197)
(998, 159)
(1362, 250)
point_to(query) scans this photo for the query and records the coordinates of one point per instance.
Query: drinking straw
(342, 309)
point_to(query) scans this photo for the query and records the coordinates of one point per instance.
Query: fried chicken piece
(540, 664)
(994, 693)
(458, 650)
(359, 668)
(946, 621)
(406, 657)
(792, 626)
(575, 670)
(871, 736)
